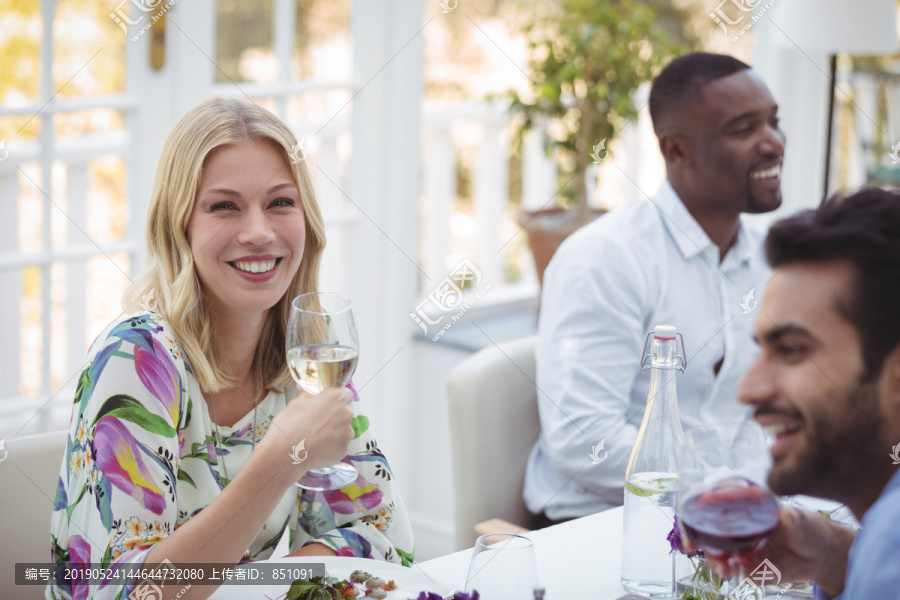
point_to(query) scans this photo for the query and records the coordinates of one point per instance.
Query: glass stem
(736, 567)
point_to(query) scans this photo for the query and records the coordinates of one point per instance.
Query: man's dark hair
(682, 79)
(864, 230)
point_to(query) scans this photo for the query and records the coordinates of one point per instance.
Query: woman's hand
(804, 547)
(320, 422)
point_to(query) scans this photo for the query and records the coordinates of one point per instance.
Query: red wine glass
(723, 504)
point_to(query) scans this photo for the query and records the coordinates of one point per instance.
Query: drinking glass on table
(723, 503)
(502, 566)
(322, 351)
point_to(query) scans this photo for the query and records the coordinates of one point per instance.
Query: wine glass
(502, 566)
(322, 351)
(723, 503)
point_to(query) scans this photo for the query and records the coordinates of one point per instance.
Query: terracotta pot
(546, 230)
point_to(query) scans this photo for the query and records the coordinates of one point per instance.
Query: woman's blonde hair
(170, 276)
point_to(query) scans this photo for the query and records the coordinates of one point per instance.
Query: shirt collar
(745, 249)
(684, 229)
(690, 237)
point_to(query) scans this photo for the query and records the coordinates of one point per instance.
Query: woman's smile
(256, 269)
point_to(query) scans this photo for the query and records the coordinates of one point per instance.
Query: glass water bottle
(652, 475)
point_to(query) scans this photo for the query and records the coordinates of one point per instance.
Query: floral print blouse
(142, 458)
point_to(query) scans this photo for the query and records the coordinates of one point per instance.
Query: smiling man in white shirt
(684, 257)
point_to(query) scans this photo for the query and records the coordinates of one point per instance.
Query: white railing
(486, 125)
(634, 172)
(57, 342)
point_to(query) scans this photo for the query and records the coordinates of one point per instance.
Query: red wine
(732, 516)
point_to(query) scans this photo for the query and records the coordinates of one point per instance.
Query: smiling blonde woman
(184, 419)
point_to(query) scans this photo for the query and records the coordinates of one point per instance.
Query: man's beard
(757, 205)
(841, 455)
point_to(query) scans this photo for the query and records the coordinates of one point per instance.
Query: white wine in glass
(317, 367)
(322, 352)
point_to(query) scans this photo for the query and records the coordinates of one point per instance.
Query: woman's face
(247, 228)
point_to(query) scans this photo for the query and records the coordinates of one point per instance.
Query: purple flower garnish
(455, 596)
(677, 544)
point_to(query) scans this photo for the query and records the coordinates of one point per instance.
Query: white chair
(28, 477)
(493, 417)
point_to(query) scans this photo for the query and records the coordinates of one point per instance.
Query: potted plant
(588, 58)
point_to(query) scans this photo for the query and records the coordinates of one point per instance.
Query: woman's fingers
(322, 422)
(331, 424)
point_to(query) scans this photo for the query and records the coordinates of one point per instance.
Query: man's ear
(673, 148)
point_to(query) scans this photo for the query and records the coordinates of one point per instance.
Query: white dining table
(575, 559)
(579, 559)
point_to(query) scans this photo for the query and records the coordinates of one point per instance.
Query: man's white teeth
(771, 172)
(258, 266)
(780, 429)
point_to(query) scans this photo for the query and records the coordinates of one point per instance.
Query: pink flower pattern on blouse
(140, 462)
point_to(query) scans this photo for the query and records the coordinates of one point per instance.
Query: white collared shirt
(649, 263)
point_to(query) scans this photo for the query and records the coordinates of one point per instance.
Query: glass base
(696, 580)
(653, 589)
(694, 589)
(329, 478)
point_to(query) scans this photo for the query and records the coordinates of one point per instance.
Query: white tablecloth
(580, 559)
(577, 559)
